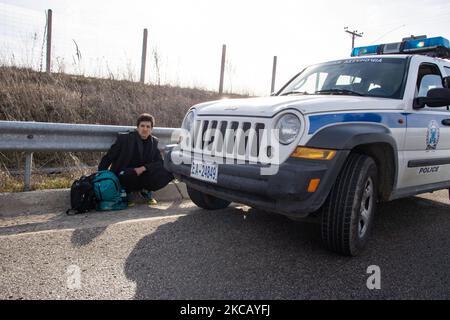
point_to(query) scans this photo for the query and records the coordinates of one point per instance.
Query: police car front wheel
(347, 215)
(206, 201)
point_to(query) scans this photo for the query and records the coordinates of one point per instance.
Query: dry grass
(27, 95)
(9, 184)
(39, 181)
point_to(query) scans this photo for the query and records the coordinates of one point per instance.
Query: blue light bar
(429, 43)
(362, 51)
(408, 46)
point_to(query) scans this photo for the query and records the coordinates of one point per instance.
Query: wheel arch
(371, 139)
(383, 155)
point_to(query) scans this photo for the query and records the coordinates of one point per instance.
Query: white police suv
(333, 142)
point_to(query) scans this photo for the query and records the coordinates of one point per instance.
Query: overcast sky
(188, 35)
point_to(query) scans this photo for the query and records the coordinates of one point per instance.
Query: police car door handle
(446, 122)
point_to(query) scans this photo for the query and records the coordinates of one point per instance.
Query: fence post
(28, 168)
(144, 55)
(49, 40)
(222, 69)
(274, 73)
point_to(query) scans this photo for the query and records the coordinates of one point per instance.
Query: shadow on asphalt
(91, 220)
(83, 237)
(221, 255)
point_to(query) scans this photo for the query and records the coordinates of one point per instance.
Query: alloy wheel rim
(366, 208)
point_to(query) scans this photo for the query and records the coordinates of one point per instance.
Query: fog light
(313, 185)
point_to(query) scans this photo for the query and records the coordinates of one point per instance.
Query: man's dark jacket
(120, 154)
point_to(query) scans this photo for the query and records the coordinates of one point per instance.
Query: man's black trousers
(152, 180)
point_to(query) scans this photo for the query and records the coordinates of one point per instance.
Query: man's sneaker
(131, 202)
(148, 196)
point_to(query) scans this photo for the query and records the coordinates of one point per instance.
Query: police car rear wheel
(347, 215)
(206, 201)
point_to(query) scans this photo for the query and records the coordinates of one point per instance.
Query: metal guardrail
(43, 137)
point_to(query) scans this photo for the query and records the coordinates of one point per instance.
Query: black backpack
(82, 196)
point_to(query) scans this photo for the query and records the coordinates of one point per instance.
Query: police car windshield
(371, 77)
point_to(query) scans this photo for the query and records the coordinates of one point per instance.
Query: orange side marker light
(313, 185)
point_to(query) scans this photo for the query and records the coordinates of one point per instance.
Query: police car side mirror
(436, 98)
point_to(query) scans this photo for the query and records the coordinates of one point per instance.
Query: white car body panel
(411, 140)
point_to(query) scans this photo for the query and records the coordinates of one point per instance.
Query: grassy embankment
(27, 95)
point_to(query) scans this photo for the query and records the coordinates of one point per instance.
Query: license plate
(204, 171)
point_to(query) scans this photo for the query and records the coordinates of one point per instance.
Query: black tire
(348, 213)
(207, 201)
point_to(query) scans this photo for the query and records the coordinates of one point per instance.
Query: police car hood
(269, 106)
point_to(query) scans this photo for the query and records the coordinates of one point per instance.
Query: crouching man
(136, 160)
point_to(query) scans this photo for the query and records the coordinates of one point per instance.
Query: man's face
(145, 129)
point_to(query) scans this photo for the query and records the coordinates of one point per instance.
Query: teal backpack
(108, 193)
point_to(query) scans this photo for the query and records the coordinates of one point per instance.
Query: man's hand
(140, 170)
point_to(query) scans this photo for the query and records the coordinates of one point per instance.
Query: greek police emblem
(433, 135)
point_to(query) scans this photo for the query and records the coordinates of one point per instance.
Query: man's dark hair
(146, 117)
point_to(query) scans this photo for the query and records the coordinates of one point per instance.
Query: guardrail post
(28, 168)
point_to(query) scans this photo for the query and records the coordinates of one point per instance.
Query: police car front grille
(228, 139)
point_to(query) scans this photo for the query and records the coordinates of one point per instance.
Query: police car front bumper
(285, 192)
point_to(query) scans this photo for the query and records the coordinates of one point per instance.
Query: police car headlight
(188, 121)
(288, 128)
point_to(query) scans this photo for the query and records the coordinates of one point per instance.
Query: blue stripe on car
(389, 119)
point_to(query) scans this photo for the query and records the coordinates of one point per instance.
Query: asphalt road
(176, 251)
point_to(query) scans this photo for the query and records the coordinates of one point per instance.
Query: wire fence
(103, 44)
(22, 36)
(98, 48)
(80, 48)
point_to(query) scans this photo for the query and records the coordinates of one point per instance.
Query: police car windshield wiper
(339, 91)
(294, 92)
